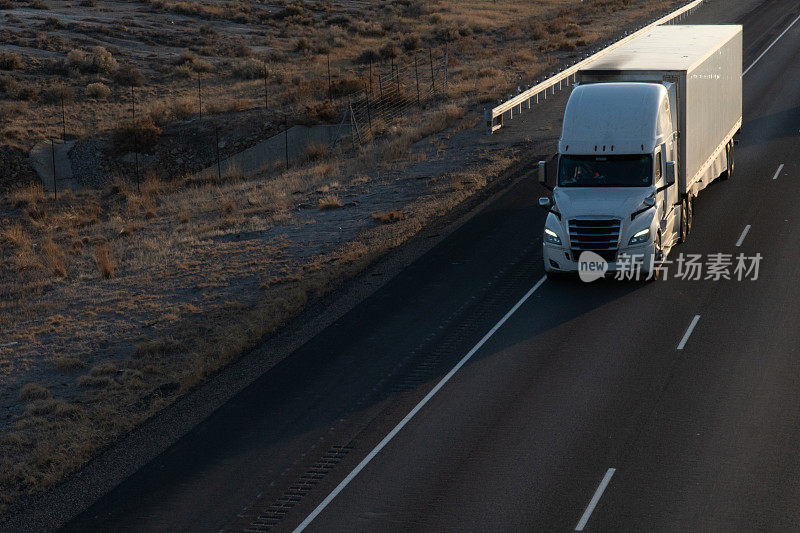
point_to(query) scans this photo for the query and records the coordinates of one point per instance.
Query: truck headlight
(551, 236)
(640, 237)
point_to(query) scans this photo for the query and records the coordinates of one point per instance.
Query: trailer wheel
(689, 213)
(684, 231)
(729, 157)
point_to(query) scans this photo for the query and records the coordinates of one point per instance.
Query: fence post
(266, 90)
(63, 119)
(416, 75)
(352, 123)
(397, 78)
(433, 84)
(53, 156)
(369, 113)
(380, 86)
(370, 75)
(216, 146)
(330, 86)
(199, 97)
(136, 163)
(286, 139)
(446, 61)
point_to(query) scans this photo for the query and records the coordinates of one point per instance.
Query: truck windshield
(605, 170)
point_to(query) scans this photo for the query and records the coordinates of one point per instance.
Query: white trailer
(647, 128)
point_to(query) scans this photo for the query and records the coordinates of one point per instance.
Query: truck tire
(729, 157)
(656, 274)
(684, 231)
(689, 214)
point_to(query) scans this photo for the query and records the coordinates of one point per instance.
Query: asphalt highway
(469, 395)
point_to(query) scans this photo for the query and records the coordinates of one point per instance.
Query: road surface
(609, 406)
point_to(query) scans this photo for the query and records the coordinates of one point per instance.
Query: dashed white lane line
(777, 172)
(743, 235)
(770, 46)
(688, 332)
(364, 462)
(596, 498)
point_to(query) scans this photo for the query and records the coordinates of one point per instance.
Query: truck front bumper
(561, 259)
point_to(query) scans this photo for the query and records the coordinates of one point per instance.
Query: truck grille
(600, 236)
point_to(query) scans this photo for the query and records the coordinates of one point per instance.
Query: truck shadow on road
(781, 125)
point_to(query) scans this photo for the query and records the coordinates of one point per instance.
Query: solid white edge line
(688, 332)
(770, 46)
(743, 235)
(777, 172)
(414, 411)
(596, 498)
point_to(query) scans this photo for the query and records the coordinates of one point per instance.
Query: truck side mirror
(670, 173)
(543, 175)
(649, 202)
(544, 202)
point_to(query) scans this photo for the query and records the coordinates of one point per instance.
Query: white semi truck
(646, 128)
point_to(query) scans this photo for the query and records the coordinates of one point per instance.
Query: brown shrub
(321, 112)
(58, 93)
(129, 75)
(12, 110)
(16, 236)
(189, 60)
(105, 261)
(139, 135)
(69, 362)
(303, 46)
(227, 207)
(329, 202)
(316, 152)
(388, 217)
(30, 198)
(227, 105)
(184, 108)
(10, 61)
(98, 90)
(97, 60)
(248, 69)
(345, 86)
(33, 391)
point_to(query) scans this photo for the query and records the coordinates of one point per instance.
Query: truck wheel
(684, 232)
(656, 274)
(689, 213)
(729, 157)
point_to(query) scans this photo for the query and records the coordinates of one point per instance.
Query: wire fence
(409, 84)
(363, 99)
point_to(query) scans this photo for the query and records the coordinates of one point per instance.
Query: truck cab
(614, 193)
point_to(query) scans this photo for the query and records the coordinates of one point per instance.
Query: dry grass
(56, 260)
(10, 61)
(388, 217)
(105, 261)
(67, 363)
(329, 202)
(34, 391)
